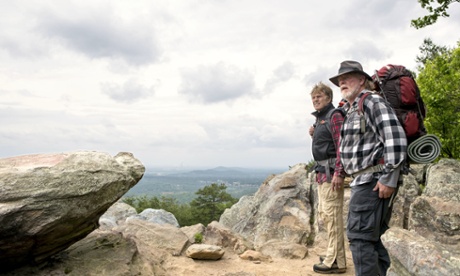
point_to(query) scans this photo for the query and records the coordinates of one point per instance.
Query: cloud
(17, 33)
(364, 50)
(16, 48)
(34, 130)
(377, 16)
(120, 75)
(101, 34)
(246, 131)
(281, 74)
(131, 91)
(216, 83)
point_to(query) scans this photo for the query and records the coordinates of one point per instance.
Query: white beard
(350, 95)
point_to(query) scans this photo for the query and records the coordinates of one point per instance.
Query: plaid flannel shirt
(336, 125)
(384, 137)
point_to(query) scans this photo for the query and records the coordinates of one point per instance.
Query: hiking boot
(323, 269)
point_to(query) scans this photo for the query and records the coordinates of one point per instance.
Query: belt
(373, 169)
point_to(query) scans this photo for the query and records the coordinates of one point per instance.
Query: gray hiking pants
(368, 219)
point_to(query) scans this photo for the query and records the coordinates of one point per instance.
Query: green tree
(211, 203)
(140, 203)
(434, 12)
(429, 51)
(310, 165)
(439, 83)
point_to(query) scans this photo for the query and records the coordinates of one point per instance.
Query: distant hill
(182, 185)
(229, 172)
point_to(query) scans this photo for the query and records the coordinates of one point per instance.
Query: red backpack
(397, 85)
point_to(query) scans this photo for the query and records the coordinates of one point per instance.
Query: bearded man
(372, 150)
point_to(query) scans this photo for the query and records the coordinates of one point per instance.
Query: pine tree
(211, 203)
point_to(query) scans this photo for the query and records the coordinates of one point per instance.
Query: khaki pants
(330, 207)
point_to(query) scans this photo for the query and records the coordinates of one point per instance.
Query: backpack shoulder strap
(361, 102)
(330, 163)
(362, 119)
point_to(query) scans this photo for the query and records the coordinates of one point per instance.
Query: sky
(196, 83)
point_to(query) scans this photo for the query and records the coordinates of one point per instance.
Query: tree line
(209, 205)
(439, 83)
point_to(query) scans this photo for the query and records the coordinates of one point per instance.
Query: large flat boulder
(50, 201)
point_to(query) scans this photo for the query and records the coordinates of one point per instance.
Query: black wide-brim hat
(349, 66)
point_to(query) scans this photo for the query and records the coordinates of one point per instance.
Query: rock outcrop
(157, 216)
(278, 221)
(281, 210)
(116, 214)
(166, 239)
(412, 254)
(429, 244)
(50, 201)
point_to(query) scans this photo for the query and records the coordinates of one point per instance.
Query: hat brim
(335, 79)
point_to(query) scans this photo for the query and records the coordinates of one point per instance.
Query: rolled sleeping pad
(425, 149)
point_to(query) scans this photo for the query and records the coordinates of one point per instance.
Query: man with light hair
(329, 176)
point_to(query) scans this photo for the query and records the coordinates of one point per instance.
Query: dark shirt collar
(324, 110)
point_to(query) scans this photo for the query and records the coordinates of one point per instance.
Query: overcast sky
(189, 83)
